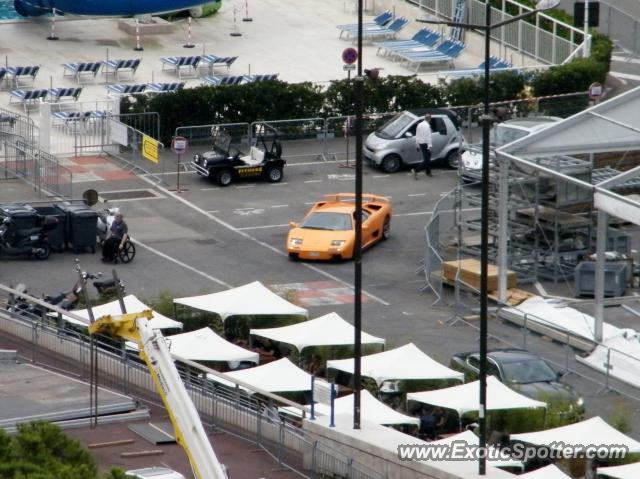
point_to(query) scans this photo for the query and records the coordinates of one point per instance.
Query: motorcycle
(67, 300)
(33, 242)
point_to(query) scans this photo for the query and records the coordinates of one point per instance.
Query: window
(438, 125)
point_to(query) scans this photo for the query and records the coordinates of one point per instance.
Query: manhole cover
(128, 195)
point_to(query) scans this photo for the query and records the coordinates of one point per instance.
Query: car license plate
(314, 254)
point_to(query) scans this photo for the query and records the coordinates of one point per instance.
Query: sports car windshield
(395, 126)
(503, 134)
(527, 371)
(328, 221)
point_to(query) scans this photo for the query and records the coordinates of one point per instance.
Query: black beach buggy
(264, 160)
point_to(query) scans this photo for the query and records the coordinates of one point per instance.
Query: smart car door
(439, 136)
(409, 152)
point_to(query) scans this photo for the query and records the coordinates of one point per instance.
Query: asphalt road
(207, 239)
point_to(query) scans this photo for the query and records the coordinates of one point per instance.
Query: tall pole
(357, 253)
(484, 244)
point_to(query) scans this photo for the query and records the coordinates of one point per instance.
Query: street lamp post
(484, 210)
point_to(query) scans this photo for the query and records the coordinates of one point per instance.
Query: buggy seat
(254, 158)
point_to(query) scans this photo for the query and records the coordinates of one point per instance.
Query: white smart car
(470, 166)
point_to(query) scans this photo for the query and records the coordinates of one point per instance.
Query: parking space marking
(213, 211)
(244, 209)
(418, 194)
(416, 213)
(247, 228)
(241, 187)
(279, 184)
(256, 240)
(313, 181)
(379, 176)
(210, 189)
(180, 263)
(279, 206)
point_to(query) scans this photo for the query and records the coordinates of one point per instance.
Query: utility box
(81, 227)
(24, 216)
(56, 235)
(615, 278)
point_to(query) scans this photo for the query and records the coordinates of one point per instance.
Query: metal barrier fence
(623, 28)
(12, 125)
(221, 406)
(526, 38)
(22, 159)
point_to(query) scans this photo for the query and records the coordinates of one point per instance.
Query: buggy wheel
(224, 177)
(275, 174)
(128, 252)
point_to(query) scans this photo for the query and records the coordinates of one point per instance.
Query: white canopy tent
(619, 356)
(327, 330)
(253, 299)
(132, 305)
(372, 410)
(592, 431)
(465, 398)
(547, 472)
(627, 471)
(277, 376)
(205, 345)
(405, 362)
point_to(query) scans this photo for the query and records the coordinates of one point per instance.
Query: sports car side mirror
(293, 224)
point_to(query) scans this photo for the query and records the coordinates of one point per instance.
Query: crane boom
(190, 433)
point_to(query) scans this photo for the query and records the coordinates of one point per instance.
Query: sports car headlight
(337, 242)
(295, 241)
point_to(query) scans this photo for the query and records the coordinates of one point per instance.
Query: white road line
(279, 184)
(257, 241)
(310, 203)
(241, 187)
(418, 194)
(417, 213)
(313, 181)
(180, 263)
(210, 189)
(617, 58)
(243, 209)
(213, 211)
(625, 76)
(279, 206)
(380, 176)
(246, 228)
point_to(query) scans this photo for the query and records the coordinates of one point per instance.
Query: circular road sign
(179, 144)
(349, 55)
(595, 90)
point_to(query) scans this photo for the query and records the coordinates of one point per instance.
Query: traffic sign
(595, 90)
(349, 55)
(179, 144)
(347, 67)
(150, 149)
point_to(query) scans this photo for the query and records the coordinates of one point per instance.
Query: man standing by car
(424, 144)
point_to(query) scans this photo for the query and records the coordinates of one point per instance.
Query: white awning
(592, 431)
(371, 410)
(627, 471)
(132, 305)
(253, 299)
(466, 397)
(405, 362)
(547, 472)
(327, 330)
(205, 345)
(277, 376)
(619, 355)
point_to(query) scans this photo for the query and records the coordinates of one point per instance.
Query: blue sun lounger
(221, 80)
(179, 64)
(425, 37)
(379, 21)
(446, 52)
(120, 89)
(385, 32)
(116, 67)
(261, 77)
(15, 74)
(81, 70)
(28, 97)
(213, 61)
(59, 94)
(495, 64)
(164, 87)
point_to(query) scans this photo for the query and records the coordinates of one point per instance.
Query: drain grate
(129, 195)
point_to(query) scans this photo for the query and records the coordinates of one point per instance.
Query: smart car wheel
(391, 163)
(274, 174)
(386, 229)
(452, 160)
(224, 177)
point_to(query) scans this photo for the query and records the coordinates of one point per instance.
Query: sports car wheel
(275, 174)
(224, 177)
(391, 163)
(386, 229)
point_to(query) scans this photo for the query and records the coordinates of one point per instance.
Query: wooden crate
(470, 273)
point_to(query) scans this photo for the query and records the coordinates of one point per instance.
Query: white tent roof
(627, 471)
(327, 330)
(550, 312)
(371, 410)
(547, 472)
(132, 305)
(277, 376)
(591, 431)
(405, 362)
(465, 397)
(622, 352)
(497, 458)
(250, 299)
(205, 345)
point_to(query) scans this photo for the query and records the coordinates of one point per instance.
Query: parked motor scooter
(33, 242)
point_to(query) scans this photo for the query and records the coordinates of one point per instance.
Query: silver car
(393, 145)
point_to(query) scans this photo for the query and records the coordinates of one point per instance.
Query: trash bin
(57, 238)
(615, 278)
(24, 216)
(81, 227)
